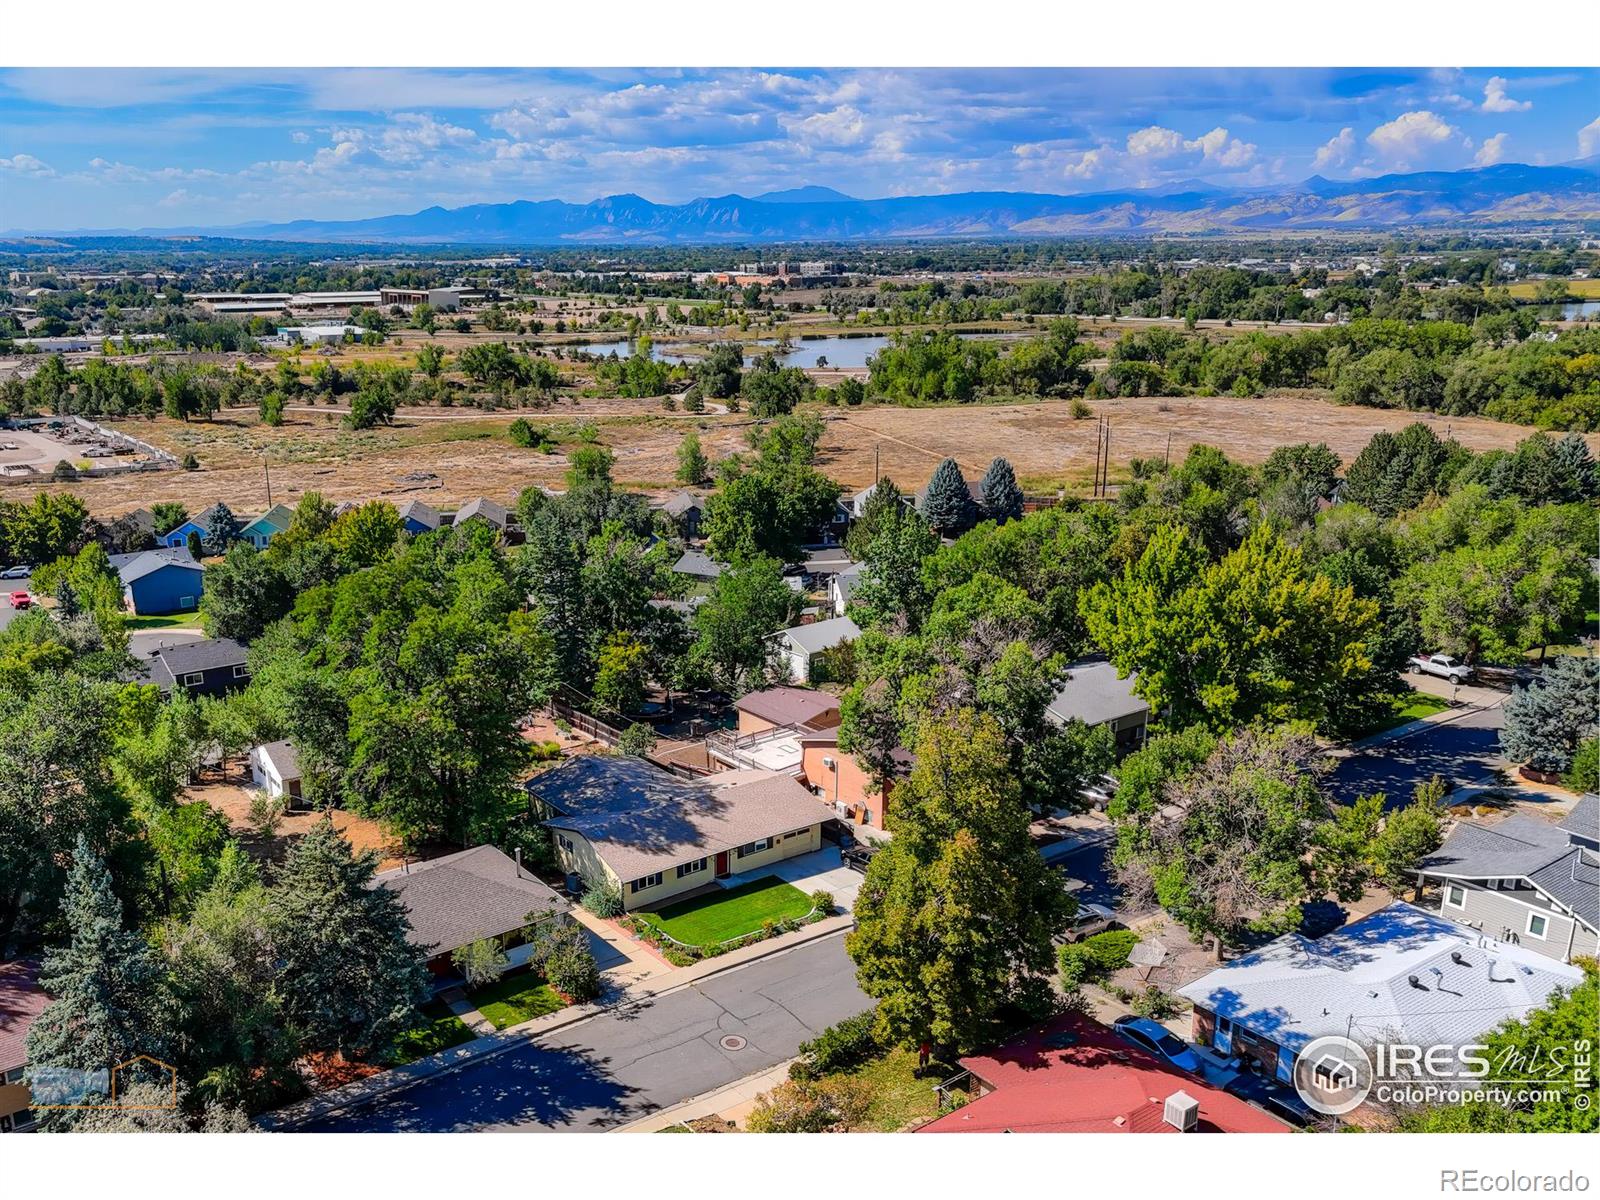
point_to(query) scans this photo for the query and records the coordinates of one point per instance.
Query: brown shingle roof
(788, 705)
(21, 1001)
(462, 897)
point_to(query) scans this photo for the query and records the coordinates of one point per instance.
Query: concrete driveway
(625, 1064)
(820, 870)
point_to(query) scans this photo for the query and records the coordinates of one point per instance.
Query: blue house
(267, 526)
(179, 536)
(160, 581)
(418, 518)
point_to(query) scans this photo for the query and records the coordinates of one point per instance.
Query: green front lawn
(732, 912)
(513, 999)
(171, 621)
(440, 1030)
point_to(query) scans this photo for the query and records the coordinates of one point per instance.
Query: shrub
(1095, 957)
(805, 1106)
(522, 433)
(190, 463)
(637, 740)
(1155, 1004)
(1080, 410)
(602, 897)
(572, 971)
(265, 814)
(1584, 773)
(842, 1046)
(822, 901)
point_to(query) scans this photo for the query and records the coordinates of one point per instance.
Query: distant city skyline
(139, 148)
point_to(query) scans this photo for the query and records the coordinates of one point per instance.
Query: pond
(1582, 310)
(804, 352)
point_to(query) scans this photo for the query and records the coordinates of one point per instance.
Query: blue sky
(129, 148)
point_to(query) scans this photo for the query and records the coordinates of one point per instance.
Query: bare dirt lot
(466, 452)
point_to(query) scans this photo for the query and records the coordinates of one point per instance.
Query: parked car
(21, 600)
(1272, 1097)
(1157, 1039)
(1445, 666)
(1098, 792)
(1090, 919)
(18, 572)
(857, 858)
(839, 834)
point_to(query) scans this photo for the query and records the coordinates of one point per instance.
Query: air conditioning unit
(827, 762)
(1182, 1112)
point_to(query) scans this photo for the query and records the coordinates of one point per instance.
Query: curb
(399, 1078)
(1400, 732)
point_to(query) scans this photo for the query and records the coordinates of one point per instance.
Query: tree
(168, 515)
(1295, 478)
(957, 914)
(1396, 471)
(1255, 636)
(718, 374)
(1361, 844)
(748, 603)
(771, 389)
(244, 593)
(885, 502)
(1001, 497)
(431, 360)
(348, 975)
(891, 592)
(693, 468)
(222, 529)
(947, 504)
(771, 511)
(619, 684)
(1546, 721)
(365, 535)
(109, 1002)
(637, 740)
(480, 962)
(1227, 852)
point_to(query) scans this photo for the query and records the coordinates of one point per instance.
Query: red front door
(722, 865)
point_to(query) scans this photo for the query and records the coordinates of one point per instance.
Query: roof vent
(1416, 983)
(1459, 959)
(1182, 1112)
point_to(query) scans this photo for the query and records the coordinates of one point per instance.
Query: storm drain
(733, 1041)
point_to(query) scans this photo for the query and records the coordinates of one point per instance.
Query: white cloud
(1155, 142)
(1589, 139)
(1495, 99)
(1217, 148)
(177, 199)
(300, 136)
(1412, 138)
(25, 164)
(1088, 165)
(1492, 151)
(1337, 151)
(1226, 152)
(843, 126)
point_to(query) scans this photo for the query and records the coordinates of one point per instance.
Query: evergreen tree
(885, 503)
(1002, 498)
(1575, 469)
(110, 1002)
(947, 504)
(348, 975)
(1547, 719)
(957, 914)
(222, 529)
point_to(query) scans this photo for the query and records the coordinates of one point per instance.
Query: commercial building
(445, 299)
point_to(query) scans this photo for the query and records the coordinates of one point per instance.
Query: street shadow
(541, 1087)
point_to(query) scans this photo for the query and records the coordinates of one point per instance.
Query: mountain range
(1509, 193)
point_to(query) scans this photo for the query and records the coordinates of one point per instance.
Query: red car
(21, 600)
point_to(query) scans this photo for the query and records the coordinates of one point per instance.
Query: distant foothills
(1508, 194)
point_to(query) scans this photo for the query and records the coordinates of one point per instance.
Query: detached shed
(275, 769)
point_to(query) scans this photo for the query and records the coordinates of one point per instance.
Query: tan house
(658, 837)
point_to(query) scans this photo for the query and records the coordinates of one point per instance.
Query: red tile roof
(21, 1000)
(1098, 1084)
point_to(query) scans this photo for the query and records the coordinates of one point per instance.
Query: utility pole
(877, 447)
(1167, 458)
(1099, 437)
(266, 467)
(1105, 471)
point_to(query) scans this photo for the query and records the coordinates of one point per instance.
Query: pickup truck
(1442, 665)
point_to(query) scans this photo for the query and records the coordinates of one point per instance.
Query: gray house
(1095, 695)
(1525, 881)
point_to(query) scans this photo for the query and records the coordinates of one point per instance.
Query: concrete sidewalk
(399, 1078)
(1490, 699)
(737, 1095)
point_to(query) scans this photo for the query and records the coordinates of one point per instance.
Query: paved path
(625, 1064)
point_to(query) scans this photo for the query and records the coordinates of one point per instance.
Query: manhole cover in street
(733, 1042)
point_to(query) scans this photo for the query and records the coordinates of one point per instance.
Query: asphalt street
(625, 1064)
(7, 586)
(1464, 750)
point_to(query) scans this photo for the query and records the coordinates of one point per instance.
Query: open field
(462, 453)
(1583, 289)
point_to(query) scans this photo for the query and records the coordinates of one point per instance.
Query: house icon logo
(142, 1068)
(1333, 1075)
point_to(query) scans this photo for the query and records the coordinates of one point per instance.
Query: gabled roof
(1584, 819)
(1074, 1075)
(1358, 982)
(477, 893)
(679, 503)
(276, 518)
(821, 635)
(206, 654)
(1094, 695)
(170, 553)
(21, 1002)
(148, 562)
(697, 564)
(831, 561)
(788, 705)
(422, 514)
(485, 509)
(285, 759)
(590, 783)
(1524, 847)
(141, 519)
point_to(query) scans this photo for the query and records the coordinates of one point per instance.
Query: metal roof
(1392, 975)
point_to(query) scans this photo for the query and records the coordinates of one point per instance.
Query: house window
(755, 847)
(691, 868)
(645, 884)
(1538, 924)
(564, 842)
(193, 679)
(241, 672)
(1455, 895)
(185, 601)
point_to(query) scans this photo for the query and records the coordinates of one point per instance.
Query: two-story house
(1525, 881)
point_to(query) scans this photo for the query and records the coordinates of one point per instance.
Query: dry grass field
(447, 456)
